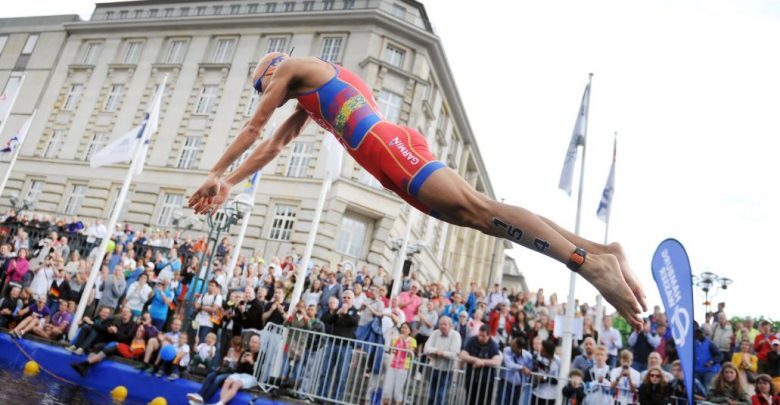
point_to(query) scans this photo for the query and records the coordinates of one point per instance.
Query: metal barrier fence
(317, 366)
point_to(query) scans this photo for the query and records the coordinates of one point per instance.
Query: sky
(691, 87)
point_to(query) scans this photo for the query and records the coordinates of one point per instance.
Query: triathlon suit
(397, 156)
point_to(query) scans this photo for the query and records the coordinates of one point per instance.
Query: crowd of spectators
(147, 296)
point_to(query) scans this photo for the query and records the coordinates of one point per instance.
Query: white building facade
(106, 70)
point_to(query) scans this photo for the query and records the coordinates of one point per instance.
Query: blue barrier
(106, 375)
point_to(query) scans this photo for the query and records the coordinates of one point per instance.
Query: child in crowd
(395, 379)
(574, 391)
(204, 353)
(174, 368)
(598, 378)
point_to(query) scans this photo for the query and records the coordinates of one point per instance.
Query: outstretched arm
(271, 147)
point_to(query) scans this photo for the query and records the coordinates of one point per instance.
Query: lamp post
(183, 221)
(21, 205)
(218, 223)
(710, 284)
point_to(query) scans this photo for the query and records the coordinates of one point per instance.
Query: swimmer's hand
(210, 195)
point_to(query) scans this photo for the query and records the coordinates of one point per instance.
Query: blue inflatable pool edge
(106, 375)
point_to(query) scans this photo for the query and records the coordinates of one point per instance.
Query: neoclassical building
(95, 79)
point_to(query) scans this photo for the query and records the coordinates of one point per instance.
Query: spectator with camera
(625, 380)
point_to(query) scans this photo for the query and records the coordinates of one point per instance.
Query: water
(16, 388)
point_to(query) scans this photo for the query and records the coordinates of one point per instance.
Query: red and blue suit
(397, 156)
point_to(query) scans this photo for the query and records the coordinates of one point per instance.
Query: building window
(277, 44)
(224, 50)
(75, 199)
(298, 164)
(189, 152)
(200, 10)
(99, 141)
(289, 6)
(270, 7)
(308, 5)
(352, 235)
(112, 100)
(217, 10)
(72, 98)
(153, 13)
(328, 4)
(34, 192)
(331, 49)
(125, 204)
(235, 9)
(171, 203)
(132, 52)
(11, 88)
(390, 105)
(123, 15)
(176, 50)
(91, 50)
(368, 179)
(54, 144)
(168, 12)
(207, 95)
(29, 46)
(283, 221)
(184, 11)
(138, 14)
(349, 4)
(252, 8)
(394, 55)
(399, 11)
(109, 15)
(252, 105)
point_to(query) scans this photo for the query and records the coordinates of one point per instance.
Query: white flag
(151, 124)
(16, 140)
(335, 154)
(121, 150)
(605, 205)
(577, 139)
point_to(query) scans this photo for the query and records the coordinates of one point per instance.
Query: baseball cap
(775, 342)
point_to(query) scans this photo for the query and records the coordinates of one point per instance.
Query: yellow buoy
(159, 401)
(31, 368)
(119, 393)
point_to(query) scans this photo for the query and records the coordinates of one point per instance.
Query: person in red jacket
(763, 344)
(500, 323)
(765, 392)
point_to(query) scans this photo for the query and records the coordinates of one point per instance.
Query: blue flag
(672, 274)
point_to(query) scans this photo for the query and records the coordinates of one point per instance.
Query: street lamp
(183, 221)
(711, 283)
(218, 222)
(21, 205)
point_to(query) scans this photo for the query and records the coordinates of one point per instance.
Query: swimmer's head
(265, 68)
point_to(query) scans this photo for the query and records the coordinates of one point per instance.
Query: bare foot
(617, 250)
(604, 272)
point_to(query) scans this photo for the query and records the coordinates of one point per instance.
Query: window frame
(72, 97)
(301, 154)
(54, 144)
(323, 45)
(71, 206)
(363, 241)
(34, 37)
(170, 47)
(198, 110)
(167, 208)
(113, 97)
(282, 223)
(384, 104)
(226, 53)
(188, 156)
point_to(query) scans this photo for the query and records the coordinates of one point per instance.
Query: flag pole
(98, 263)
(315, 224)
(241, 234)
(398, 267)
(332, 172)
(568, 329)
(2, 128)
(7, 175)
(120, 200)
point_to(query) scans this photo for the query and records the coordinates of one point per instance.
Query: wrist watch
(577, 259)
